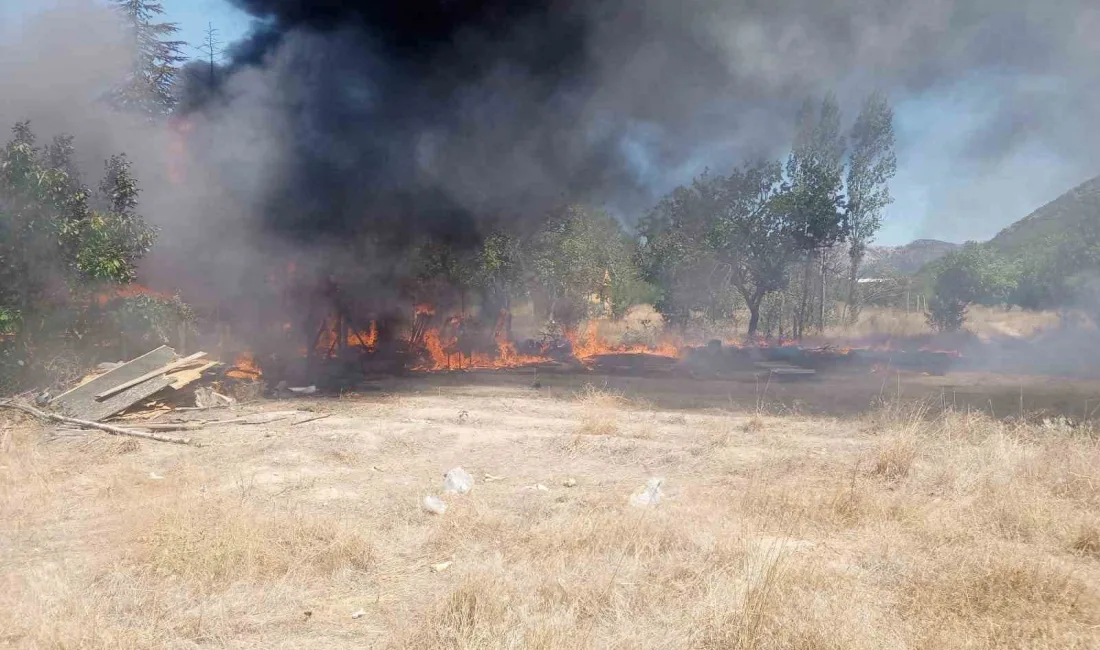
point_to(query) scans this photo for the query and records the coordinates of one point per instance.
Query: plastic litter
(457, 480)
(442, 566)
(435, 505)
(650, 495)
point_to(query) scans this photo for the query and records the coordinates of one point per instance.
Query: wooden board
(182, 378)
(80, 402)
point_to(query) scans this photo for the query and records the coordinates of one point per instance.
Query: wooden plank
(182, 378)
(95, 410)
(81, 402)
(165, 369)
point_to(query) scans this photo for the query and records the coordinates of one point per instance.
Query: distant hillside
(904, 260)
(1061, 215)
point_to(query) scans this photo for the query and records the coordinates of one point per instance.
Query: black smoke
(434, 116)
(348, 131)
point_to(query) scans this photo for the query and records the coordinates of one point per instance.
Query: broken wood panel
(182, 378)
(96, 411)
(80, 401)
(163, 370)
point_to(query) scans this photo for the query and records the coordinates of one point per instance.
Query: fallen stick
(312, 419)
(179, 426)
(257, 418)
(87, 424)
(175, 365)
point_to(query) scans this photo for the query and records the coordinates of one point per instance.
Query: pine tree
(148, 89)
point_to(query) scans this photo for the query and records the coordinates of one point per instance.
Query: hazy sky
(943, 189)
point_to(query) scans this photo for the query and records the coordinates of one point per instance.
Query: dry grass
(894, 458)
(896, 530)
(985, 322)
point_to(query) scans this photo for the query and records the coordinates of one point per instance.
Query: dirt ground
(794, 515)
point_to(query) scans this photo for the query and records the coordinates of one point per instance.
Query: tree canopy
(148, 89)
(59, 241)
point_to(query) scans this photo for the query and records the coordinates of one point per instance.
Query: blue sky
(941, 191)
(192, 16)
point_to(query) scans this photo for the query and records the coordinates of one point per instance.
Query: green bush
(971, 274)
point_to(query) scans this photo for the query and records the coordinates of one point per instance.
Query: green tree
(148, 89)
(498, 272)
(578, 255)
(871, 164)
(815, 173)
(971, 274)
(58, 241)
(677, 255)
(752, 234)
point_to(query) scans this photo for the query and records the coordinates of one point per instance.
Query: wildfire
(128, 291)
(591, 344)
(244, 367)
(444, 350)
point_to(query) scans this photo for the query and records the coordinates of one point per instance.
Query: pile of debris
(135, 394)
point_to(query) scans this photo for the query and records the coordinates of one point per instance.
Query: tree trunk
(821, 306)
(754, 314)
(803, 307)
(853, 307)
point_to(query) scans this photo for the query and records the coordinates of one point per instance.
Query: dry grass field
(985, 322)
(897, 528)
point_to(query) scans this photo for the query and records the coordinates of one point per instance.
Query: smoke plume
(341, 131)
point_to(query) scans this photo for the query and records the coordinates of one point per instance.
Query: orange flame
(128, 291)
(592, 344)
(244, 367)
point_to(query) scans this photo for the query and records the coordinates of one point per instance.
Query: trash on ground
(457, 480)
(435, 505)
(650, 495)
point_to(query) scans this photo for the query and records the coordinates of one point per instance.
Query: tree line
(782, 240)
(772, 229)
(1058, 272)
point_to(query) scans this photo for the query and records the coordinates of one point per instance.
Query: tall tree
(212, 48)
(677, 251)
(871, 165)
(815, 171)
(752, 235)
(577, 256)
(148, 87)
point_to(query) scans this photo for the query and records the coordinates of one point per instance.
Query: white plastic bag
(457, 480)
(434, 505)
(650, 495)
